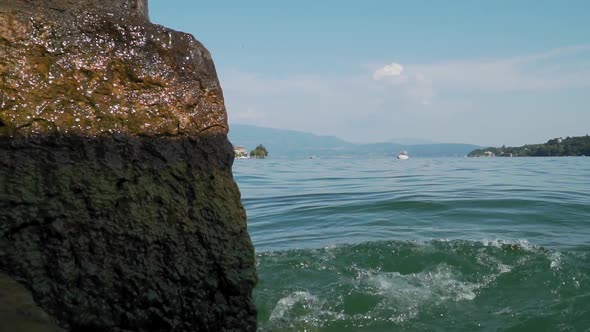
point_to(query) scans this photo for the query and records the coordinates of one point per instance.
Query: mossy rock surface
(125, 233)
(92, 68)
(118, 208)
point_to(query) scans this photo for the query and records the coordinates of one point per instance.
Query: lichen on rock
(118, 208)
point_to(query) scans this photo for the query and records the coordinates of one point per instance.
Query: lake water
(448, 244)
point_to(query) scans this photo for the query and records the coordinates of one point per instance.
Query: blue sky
(490, 73)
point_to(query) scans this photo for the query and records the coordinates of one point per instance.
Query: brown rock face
(89, 70)
(118, 208)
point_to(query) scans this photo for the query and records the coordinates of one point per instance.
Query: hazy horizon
(400, 140)
(489, 74)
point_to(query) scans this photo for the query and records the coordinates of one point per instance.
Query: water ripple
(313, 203)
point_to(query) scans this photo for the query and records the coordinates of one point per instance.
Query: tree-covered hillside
(570, 146)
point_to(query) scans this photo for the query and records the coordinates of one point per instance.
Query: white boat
(403, 155)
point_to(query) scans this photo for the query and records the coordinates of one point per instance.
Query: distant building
(489, 154)
(240, 152)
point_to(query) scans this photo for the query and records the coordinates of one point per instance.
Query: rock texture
(86, 70)
(18, 311)
(118, 209)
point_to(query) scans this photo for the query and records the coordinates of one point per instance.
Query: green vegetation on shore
(259, 152)
(570, 146)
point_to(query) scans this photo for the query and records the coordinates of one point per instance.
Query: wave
(287, 222)
(428, 285)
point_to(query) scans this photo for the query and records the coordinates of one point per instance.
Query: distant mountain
(295, 144)
(284, 143)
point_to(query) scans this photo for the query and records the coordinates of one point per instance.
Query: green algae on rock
(129, 233)
(118, 208)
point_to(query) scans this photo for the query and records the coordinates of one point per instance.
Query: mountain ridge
(297, 144)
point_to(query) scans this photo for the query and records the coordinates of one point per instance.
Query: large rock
(88, 71)
(118, 209)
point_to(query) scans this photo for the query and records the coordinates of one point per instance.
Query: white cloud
(248, 114)
(321, 104)
(561, 68)
(392, 70)
(557, 69)
(420, 95)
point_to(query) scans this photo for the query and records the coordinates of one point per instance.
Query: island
(260, 152)
(556, 147)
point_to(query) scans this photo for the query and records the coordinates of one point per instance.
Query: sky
(503, 72)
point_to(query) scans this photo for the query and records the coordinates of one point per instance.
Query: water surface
(424, 244)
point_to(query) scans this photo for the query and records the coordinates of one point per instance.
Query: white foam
(301, 311)
(287, 303)
(523, 244)
(494, 263)
(406, 294)
(504, 268)
(555, 258)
